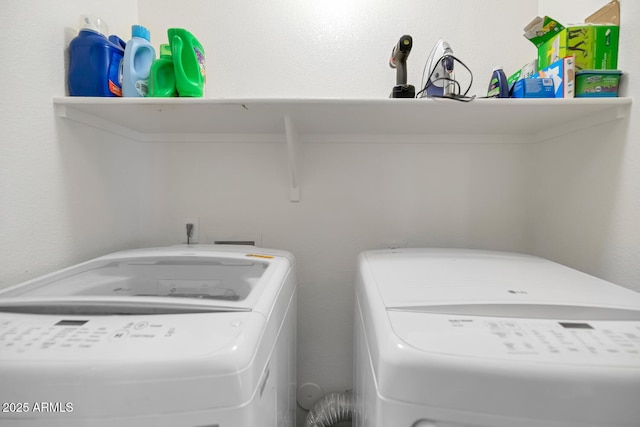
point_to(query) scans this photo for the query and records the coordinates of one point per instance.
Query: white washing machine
(467, 338)
(186, 336)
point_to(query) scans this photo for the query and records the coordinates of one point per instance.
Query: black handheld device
(398, 60)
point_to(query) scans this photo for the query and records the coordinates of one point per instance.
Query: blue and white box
(563, 73)
(534, 87)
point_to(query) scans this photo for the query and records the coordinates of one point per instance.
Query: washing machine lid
(486, 283)
(171, 280)
(136, 329)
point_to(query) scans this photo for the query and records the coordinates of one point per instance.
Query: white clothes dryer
(470, 338)
(193, 336)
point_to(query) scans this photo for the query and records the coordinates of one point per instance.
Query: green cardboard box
(595, 47)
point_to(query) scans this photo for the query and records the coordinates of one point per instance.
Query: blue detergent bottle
(138, 57)
(498, 86)
(94, 60)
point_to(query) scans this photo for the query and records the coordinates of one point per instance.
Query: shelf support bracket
(622, 112)
(76, 115)
(293, 148)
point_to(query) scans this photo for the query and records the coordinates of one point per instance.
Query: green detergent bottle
(188, 62)
(162, 78)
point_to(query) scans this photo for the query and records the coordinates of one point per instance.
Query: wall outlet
(195, 232)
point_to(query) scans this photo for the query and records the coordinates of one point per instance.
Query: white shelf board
(337, 120)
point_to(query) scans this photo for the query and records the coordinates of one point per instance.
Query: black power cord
(189, 233)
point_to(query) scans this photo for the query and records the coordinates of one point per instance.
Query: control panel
(23, 335)
(52, 337)
(600, 342)
(555, 337)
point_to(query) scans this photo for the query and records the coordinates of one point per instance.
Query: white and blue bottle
(136, 64)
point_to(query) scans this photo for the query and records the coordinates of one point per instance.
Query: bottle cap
(165, 51)
(93, 23)
(140, 31)
(499, 67)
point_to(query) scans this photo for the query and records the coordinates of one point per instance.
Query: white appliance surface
(180, 336)
(466, 338)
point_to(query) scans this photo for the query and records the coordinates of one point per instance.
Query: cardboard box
(607, 14)
(540, 30)
(563, 74)
(595, 47)
(593, 44)
(533, 88)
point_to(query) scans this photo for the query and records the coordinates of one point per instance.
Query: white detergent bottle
(136, 64)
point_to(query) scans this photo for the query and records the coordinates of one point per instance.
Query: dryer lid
(475, 282)
(476, 333)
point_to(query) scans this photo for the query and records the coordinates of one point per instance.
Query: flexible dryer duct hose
(331, 409)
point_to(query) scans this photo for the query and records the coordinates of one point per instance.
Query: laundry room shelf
(333, 120)
(336, 120)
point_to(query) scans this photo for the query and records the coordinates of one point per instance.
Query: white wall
(354, 196)
(587, 186)
(339, 48)
(67, 193)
